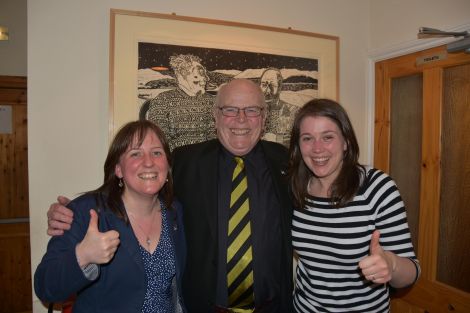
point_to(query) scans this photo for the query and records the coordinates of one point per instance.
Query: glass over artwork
(177, 86)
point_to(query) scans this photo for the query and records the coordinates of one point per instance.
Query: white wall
(68, 76)
(13, 51)
(397, 21)
(68, 81)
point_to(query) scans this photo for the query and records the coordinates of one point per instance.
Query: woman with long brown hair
(349, 227)
(125, 250)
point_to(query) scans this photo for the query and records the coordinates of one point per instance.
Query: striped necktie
(239, 251)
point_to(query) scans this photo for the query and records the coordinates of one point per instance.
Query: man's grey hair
(219, 97)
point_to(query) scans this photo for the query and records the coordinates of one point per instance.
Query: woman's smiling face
(143, 168)
(322, 146)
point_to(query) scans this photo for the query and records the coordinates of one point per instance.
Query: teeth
(237, 131)
(148, 176)
(321, 161)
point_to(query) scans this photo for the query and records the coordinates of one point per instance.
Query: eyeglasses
(234, 111)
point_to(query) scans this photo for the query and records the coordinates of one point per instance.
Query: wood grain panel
(407, 64)
(436, 298)
(433, 293)
(15, 268)
(382, 118)
(430, 172)
(454, 251)
(19, 82)
(401, 306)
(14, 200)
(15, 258)
(11, 96)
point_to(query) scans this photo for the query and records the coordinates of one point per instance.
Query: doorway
(15, 255)
(422, 138)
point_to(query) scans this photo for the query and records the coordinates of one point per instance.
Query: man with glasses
(203, 182)
(202, 175)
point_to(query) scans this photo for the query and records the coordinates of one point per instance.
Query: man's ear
(214, 114)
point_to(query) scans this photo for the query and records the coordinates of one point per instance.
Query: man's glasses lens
(233, 111)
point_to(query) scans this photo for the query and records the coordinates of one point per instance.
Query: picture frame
(141, 44)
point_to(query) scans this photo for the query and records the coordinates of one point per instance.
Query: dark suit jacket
(121, 284)
(195, 179)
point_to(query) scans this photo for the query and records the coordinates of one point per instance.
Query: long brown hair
(125, 137)
(348, 181)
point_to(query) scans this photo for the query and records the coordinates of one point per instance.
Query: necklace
(148, 240)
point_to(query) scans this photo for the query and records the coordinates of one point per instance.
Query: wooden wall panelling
(15, 255)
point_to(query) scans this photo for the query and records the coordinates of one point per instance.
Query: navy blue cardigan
(121, 285)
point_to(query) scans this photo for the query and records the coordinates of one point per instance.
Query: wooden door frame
(428, 293)
(14, 220)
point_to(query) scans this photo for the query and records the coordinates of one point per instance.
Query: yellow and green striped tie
(239, 251)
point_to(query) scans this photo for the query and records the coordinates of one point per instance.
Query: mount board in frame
(168, 68)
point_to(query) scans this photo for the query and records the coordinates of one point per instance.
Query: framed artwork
(168, 68)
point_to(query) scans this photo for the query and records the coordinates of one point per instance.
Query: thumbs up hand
(96, 247)
(379, 265)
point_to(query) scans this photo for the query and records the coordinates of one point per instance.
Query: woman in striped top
(349, 229)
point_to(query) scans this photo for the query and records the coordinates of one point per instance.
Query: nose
(148, 160)
(317, 145)
(241, 115)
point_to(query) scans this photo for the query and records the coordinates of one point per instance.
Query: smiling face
(322, 147)
(143, 168)
(241, 133)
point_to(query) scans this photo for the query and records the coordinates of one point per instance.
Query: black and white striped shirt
(331, 241)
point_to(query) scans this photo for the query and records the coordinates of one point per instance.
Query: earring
(120, 184)
(168, 175)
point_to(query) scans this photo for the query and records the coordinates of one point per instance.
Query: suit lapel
(278, 172)
(208, 172)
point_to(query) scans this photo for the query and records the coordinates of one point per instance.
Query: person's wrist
(392, 260)
(89, 270)
(81, 259)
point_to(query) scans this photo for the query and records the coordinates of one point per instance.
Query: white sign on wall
(6, 117)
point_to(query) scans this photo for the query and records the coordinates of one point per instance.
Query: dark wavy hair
(125, 137)
(348, 181)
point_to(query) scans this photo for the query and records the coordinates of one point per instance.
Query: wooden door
(422, 138)
(15, 257)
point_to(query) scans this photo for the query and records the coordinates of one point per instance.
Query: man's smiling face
(239, 134)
